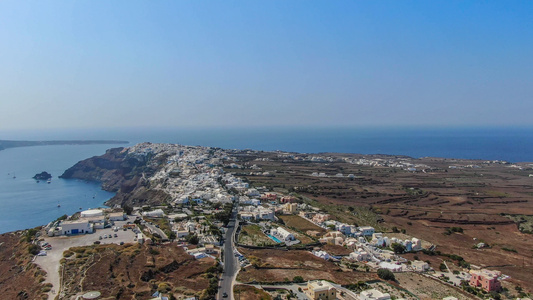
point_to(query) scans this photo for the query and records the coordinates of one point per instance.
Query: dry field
(246, 292)
(269, 265)
(20, 278)
(133, 270)
(300, 223)
(425, 205)
(252, 235)
(426, 288)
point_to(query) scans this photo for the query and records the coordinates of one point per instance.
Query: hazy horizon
(195, 64)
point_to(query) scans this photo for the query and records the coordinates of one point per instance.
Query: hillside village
(206, 184)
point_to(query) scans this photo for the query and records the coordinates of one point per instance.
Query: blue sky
(94, 64)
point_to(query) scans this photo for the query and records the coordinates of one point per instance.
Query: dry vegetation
(253, 236)
(134, 271)
(20, 278)
(272, 265)
(246, 292)
(427, 288)
(300, 224)
(425, 205)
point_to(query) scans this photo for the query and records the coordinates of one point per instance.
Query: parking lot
(50, 262)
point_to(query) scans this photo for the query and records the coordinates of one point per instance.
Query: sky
(114, 64)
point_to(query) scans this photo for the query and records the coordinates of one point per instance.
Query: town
(279, 244)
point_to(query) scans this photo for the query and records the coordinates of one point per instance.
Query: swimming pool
(274, 238)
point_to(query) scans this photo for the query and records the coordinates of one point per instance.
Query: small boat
(49, 181)
(14, 176)
(38, 181)
(59, 205)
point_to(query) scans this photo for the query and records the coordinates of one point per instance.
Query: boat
(49, 181)
(14, 175)
(59, 205)
(38, 181)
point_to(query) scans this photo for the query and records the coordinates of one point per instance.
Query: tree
(398, 248)
(298, 279)
(193, 239)
(386, 274)
(127, 209)
(442, 267)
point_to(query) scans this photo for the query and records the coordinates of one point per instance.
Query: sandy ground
(50, 262)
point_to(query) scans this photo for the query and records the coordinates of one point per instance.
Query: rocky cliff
(121, 172)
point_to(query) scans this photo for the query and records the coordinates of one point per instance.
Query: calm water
(24, 203)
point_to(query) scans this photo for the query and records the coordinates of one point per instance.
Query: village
(205, 190)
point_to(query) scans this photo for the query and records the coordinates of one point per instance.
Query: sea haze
(25, 203)
(509, 144)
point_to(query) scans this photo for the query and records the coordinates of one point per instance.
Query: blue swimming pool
(274, 238)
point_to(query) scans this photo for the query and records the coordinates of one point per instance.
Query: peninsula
(5, 144)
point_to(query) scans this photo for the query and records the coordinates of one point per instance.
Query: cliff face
(120, 172)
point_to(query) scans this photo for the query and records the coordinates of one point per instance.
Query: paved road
(231, 264)
(154, 229)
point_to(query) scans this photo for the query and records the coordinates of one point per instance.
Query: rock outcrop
(42, 176)
(123, 173)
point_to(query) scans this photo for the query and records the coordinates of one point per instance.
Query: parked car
(109, 236)
(116, 235)
(100, 237)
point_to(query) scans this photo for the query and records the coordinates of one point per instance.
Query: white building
(75, 227)
(117, 216)
(420, 266)
(91, 213)
(374, 294)
(360, 255)
(157, 213)
(282, 234)
(367, 230)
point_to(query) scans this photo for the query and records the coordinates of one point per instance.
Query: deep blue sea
(25, 203)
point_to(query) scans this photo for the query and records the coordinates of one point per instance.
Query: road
(231, 264)
(154, 229)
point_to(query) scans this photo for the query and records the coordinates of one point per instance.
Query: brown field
(134, 270)
(427, 288)
(300, 223)
(424, 204)
(270, 265)
(246, 292)
(335, 249)
(252, 235)
(20, 278)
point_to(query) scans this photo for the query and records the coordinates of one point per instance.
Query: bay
(25, 203)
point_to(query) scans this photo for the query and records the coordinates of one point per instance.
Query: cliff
(123, 173)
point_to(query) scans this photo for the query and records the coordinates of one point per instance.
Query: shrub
(386, 274)
(298, 279)
(34, 249)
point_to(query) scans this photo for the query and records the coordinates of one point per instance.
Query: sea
(24, 203)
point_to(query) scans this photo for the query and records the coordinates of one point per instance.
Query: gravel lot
(50, 262)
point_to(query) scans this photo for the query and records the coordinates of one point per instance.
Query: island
(5, 144)
(212, 223)
(42, 176)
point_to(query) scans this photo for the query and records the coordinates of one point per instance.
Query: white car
(42, 253)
